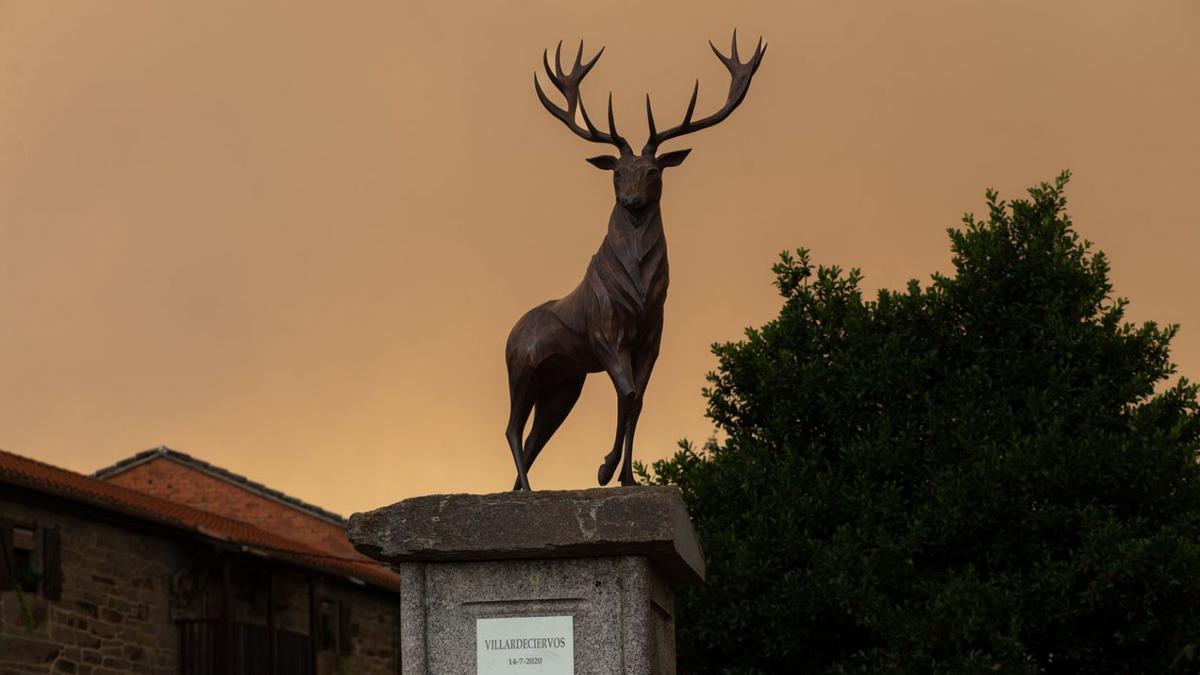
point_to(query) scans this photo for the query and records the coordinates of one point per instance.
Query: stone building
(164, 564)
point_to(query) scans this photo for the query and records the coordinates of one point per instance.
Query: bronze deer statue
(613, 320)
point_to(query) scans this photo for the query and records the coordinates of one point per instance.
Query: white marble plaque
(541, 645)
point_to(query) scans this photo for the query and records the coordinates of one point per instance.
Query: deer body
(624, 287)
(614, 316)
(612, 321)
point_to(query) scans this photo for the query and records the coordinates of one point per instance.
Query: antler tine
(740, 75)
(558, 60)
(687, 117)
(650, 117)
(587, 121)
(568, 85)
(554, 110)
(724, 60)
(595, 58)
(619, 142)
(554, 79)
(612, 124)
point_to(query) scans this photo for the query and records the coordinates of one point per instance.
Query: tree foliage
(989, 474)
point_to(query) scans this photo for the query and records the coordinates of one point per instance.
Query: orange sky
(291, 238)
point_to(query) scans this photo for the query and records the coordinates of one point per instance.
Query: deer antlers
(740, 75)
(568, 85)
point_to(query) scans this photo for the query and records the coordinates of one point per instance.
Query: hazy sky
(291, 238)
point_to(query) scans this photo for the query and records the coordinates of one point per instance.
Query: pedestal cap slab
(649, 521)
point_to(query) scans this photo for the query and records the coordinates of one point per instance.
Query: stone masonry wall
(375, 631)
(376, 637)
(175, 482)
(114, 614)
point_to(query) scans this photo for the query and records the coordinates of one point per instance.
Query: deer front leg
(621, 372)
(635, 411)
(642, 369)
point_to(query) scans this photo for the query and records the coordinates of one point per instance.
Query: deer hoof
(605, 474)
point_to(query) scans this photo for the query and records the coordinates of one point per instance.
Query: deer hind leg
(521, 403)
(621, 374)
(551, 408)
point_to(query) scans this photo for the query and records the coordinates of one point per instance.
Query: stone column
(596, 565)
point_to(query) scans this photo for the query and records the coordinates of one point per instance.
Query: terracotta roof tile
(219, 472)
(34, 475)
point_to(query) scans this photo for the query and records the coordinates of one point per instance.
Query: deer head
(637, 178)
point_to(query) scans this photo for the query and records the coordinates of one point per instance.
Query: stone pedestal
(605, 558)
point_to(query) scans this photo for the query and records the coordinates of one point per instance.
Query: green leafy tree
(990, 474)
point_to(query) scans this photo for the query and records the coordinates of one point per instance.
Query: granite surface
(622, 607)
(646, 521)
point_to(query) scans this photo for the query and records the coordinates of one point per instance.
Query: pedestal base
(622, 610)
(600, 561)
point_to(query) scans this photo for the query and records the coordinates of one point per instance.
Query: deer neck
(624, 219)
(635, 237)
(633, 258)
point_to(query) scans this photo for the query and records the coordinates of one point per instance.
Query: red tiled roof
(34, 475)
(213, 470)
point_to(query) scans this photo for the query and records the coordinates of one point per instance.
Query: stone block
(649, 521)
(605, 557)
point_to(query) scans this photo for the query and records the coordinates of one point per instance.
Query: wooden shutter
(7, 557)
(344, 641)
(51, 563)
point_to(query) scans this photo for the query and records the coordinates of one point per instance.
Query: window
(25, 569)
(329, 628)
(334, 626)
(30, 559)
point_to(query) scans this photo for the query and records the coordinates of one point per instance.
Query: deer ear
(607, 162)
(673, 158)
